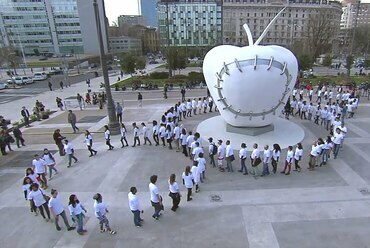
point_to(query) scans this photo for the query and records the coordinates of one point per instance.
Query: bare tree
(362, 40)
(320, 33)
(9, 56)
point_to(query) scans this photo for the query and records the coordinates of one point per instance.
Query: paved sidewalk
(326, 208)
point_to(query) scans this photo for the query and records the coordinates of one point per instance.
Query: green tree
(362, 39)
(36, 51)
(349, 63)
(128, 62)
(140, 63)
(176, 58)
(327, 60)
(305, 62)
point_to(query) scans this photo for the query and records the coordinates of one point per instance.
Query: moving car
(39, 76)
(19, 80)
(3, 85)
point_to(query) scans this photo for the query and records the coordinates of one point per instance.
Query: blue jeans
(157, 209)
(336, 150)
(229, 166)
(325, 156)
(243, 168)
(212, 157)
(265, 170)
(137, 218)
(79, 219)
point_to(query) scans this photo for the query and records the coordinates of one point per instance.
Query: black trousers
(175, 200)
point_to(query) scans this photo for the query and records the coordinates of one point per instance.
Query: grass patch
(43, 64)
(337, 80)
(193, 64)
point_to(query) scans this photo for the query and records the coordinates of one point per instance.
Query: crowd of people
(171, 133)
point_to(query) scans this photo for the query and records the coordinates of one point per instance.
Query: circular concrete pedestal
(285, 133)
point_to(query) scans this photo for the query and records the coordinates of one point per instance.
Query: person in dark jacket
(58, 138)
(18, 136)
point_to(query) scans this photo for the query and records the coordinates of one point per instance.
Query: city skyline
(132, 8)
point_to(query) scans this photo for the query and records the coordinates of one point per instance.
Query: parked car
(19, 80)
(40, 76)
(56, 72)
(10, 81)
(3, 85)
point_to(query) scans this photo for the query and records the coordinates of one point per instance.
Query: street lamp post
(113, 124)
(168, 40)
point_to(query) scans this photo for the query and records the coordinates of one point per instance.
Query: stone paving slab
(324, 233)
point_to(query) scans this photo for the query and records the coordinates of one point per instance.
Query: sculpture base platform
(285, 133)
(251, 131)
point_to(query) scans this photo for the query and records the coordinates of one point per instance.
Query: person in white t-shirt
(145, 132)
(136, 134)
(189, 107)
(123, 131)
(221, 152)
(254, 160)
(68, 149)
(75, 210)
(26, 186)
(133, 202)
(187, 180)
(288, 161)
(229, 156)
(107, 137)
(243, 157)
(162, 133)
(189, 141)
(343, 130)
(183, 138)
(155, 197)
(313, 156)
(196, 150)
(39, 167)
(50, 162)
(266, 160)
(298, 156)
(57, 209)
(196, 175)
(89, 143)
(37, 196)
(155, 131)
(337, 141)
(174, 192)
(276, 151)
(176, 136)
(202, 166)
(101, 211)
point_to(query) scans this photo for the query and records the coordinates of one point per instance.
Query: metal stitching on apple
(253, 62)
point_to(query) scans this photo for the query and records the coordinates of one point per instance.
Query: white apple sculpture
(250, 84)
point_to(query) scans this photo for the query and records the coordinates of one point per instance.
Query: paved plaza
(328, 207)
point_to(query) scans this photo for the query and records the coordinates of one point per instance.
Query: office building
(292, 26)
(355, 14)
(148, 9)
(51, 26)
(190, 22)
(125, 44)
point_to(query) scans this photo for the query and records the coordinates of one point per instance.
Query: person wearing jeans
(57, 209)
(134, 205)
(155, 198)
(288, 161)
(68, 149)
(266, 161)
(337, 140)
(37, 196)
(229, 156)
(75, 210)
(243, 157)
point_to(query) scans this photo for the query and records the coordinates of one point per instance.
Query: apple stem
(249, 34)
(266, 29)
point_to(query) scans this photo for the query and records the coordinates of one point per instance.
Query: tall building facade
(355, 14)
(124, 44)
(190, 22)
(148, 10)
(51, 26)
(290, 27)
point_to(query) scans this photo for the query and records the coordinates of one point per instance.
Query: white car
(3, 85)
(19, 80)
(39, 76)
